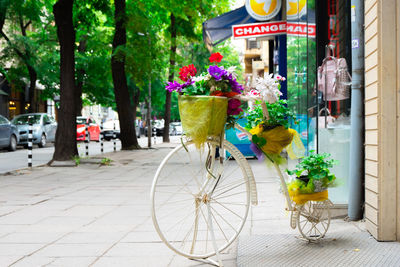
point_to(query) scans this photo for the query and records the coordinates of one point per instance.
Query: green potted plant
(313, 174)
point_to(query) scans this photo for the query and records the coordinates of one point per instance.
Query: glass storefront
(323, 120)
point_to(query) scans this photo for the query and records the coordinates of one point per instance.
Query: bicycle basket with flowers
(207, 101)
(268, 121)
(312, 178)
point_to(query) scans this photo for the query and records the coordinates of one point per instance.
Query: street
(10, 161)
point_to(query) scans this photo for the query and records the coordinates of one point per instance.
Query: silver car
(44, 128)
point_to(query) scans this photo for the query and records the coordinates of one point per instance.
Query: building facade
(382, 123)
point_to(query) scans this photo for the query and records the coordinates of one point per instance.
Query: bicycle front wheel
(195, 191)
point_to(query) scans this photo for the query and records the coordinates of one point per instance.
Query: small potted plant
(312, 174)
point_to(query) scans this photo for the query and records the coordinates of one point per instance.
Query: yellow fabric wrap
(277, 138)
(301, 199)
(202, 116)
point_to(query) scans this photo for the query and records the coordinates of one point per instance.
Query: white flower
(268, 88)
(201, 78)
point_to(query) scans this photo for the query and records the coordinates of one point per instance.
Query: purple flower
(173, 86)
(257, 151)
(236, 87)
(187, 83)
(216, 72)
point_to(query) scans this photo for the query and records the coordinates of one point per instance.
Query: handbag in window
(334, 80)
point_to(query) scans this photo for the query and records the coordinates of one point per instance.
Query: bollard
(101, 137)
(115, 139)
(30, 139)
(86, 140)
(155, 135)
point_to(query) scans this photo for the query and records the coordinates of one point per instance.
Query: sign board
(272, 29)
(263, 9)
(301, 29)
(259, 29)
(295, 9)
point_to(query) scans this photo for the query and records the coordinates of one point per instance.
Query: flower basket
(277, 138)
(202, 116)
(301, 199)
(304, 189)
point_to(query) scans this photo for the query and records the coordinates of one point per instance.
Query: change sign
(272, 29)
(259, 29)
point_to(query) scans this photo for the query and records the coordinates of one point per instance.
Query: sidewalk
(100, 216)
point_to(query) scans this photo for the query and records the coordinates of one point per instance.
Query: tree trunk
(122, 97)
(81, 74)
(167, 116)
(31, 91)
(65, 146)
(31, 70)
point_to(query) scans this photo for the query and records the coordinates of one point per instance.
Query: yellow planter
(277, 138)
(202, 116)
(301, 199)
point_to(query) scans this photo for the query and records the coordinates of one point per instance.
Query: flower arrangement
(312, 174)
(217, 81)
(268, 121)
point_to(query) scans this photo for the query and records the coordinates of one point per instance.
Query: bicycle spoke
(223, 218)
(229, 210)
(229, 195)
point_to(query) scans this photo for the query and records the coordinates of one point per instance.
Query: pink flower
(254, 93)
(234, 106)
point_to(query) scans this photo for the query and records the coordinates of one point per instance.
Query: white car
(108, 129)
(175, 128)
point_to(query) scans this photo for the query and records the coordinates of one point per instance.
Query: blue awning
(217, 30)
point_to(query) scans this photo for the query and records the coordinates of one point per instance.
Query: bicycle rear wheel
(314, 218)
(187, 182)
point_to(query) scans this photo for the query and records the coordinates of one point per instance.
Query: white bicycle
(201, 199)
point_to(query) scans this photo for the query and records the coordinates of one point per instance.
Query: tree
(21, 15)
(65, 146)
(122, 97)
(186, 18)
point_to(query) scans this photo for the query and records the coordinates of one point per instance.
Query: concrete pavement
(94, 215)
(10, 161)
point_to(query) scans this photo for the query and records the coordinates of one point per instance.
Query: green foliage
(105, 161)
(259, 141)
(77, 159)
(315, 166)
(279, 114)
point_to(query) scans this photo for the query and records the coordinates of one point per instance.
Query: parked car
(44, 128)
(175, 128)
(8, 134)
(93, 129)
(153, 128)
(108, 129)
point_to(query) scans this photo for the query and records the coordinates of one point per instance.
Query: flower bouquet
(312, 178)
(268, 122)
(207, 101)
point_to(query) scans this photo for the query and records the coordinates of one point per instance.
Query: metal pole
(115, 139)
(86, 140)
(101, 137)
(30, 139)
(356, 172)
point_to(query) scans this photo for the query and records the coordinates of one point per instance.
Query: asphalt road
(10, 161)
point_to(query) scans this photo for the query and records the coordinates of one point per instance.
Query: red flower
(186, 72)
(216, 57)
